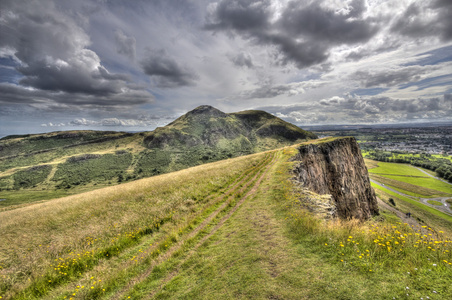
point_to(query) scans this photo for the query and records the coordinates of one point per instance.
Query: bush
(31, 177)
(90, 167)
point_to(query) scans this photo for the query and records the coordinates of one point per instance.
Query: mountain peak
(206, 110)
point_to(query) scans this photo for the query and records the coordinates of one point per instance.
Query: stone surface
(336, 167)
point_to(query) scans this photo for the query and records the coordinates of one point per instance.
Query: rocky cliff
(336, 167)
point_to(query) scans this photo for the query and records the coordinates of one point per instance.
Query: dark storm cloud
(389, 78)
(415, 23)
(242, 60)
(166, 71)
(125, 45)
(72, 76)
(53, 55)
(248, 17)
(15, 94)
(303, 34)
(320, 24)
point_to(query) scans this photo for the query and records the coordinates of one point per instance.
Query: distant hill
(225, 135)
(74, 161)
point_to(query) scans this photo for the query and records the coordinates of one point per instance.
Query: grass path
(237, 188)
(249, 194)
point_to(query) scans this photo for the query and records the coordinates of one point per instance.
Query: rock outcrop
(336, 167)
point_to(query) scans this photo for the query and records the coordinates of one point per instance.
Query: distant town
(428, 140)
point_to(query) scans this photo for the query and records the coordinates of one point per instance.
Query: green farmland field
(396, 169)
(409, 176)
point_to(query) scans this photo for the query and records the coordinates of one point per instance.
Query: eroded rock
(336, 167)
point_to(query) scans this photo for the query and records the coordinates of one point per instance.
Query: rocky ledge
(335, 166)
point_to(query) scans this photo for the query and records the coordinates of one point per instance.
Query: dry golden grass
(35, 235)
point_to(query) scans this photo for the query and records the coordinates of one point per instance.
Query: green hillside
(44, 166)
(233, 229)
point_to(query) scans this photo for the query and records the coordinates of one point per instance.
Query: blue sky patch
(429, 82)
(434, 57)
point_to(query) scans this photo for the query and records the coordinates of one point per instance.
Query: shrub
(31, 177)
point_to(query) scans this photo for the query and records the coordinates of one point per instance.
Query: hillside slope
(51, 165)
(233, 229)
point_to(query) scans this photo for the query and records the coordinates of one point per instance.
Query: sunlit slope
(230, 229)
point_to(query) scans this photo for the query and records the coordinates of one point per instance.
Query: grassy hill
(43, 166)
(234, 228)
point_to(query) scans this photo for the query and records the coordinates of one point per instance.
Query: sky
(134, 65)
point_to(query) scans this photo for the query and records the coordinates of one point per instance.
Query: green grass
(415, 181)
(408, 188)
(435, 202)
(430, 183)
(385, 168)
(282, 256)
(13, 198)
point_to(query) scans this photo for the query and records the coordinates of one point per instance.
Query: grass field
(230, 229)
(408, 188)
(409, 180)
(385, 168)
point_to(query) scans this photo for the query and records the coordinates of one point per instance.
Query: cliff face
(336, 167)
